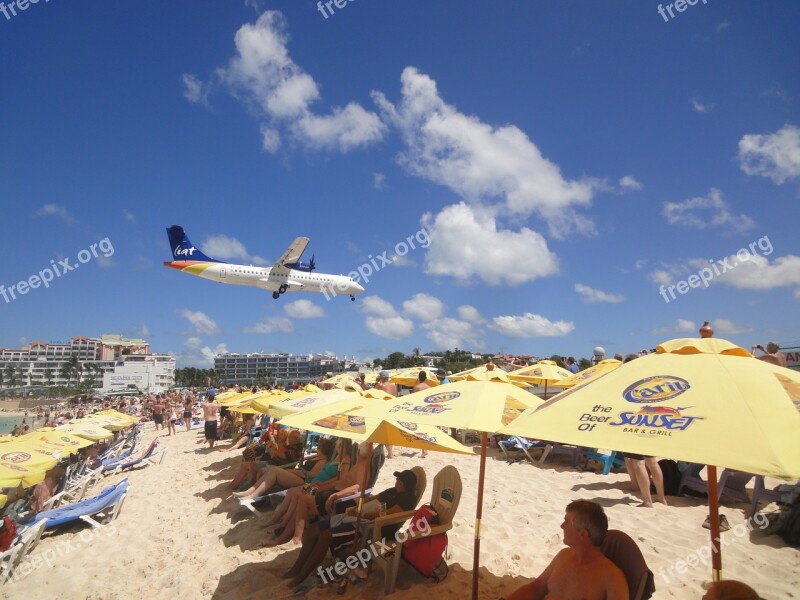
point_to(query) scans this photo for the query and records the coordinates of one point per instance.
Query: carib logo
(15, 457)
(658, 388)
(441, 397)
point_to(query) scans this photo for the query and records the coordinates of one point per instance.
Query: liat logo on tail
(182, 248)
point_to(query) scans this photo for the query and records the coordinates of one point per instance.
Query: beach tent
(484, 406)
(698, 400)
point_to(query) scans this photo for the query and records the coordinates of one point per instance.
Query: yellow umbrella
(604, 366)
(543, 372)
(410, 377)
(377, 394)
(6, 438)
(27, 454)
(234, 398)
(483, 373)
(120, 417)
(293, 405)
(485, 406)
(697, 400)
(340, 418)
(11, 475)
(337, 380)
(372, 378)
(264, 400)
(65, 439)
(109, 423)
(86, 430)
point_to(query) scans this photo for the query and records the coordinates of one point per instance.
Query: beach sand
(179, 535)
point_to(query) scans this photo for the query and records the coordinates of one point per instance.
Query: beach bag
(426, 554)
(790, 530)
(8, 531)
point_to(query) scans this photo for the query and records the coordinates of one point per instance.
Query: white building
(153, 373)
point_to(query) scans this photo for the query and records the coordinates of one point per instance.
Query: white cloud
(467, 312)
(497, 256)
(701, 108)
(640, 264)
(378, 180)
(201, 322)
(591, 295)
(271, 325)
(197, 355)
(194, 90)
(142, 332)
(776, 155)
(681, 326)
(227, 248)
(55, 210)
(449, 333)
(424, 307)
(530, 325)
(482, 163)
(129, 216)
(378, 307)
(758, 273)
(629, 183)
(263, 75)
(394, 328)
(303, 309)
(797, 293)
(383, 320)
(727, 327)
(702, 213)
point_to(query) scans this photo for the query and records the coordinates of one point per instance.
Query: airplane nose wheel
(283, 288)
(276, 295)
(352, 298)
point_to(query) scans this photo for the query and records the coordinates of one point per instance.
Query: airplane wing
(274, 284)
(293, 253)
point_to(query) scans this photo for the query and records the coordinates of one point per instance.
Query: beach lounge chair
(520, 444)
(27, 539)
(96, 511)
(127, 463)
(378, 458)
(574, 452)
(731, 483)
(622, 550)
(445, 498)
(73, 492)
(760, 494)
(609, 461)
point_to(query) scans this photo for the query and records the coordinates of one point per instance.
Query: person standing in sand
(385, 385)
(187, 412)
(580, 571)
(422, 385)
(210, 409)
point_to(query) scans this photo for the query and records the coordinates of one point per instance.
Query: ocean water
(7, 424)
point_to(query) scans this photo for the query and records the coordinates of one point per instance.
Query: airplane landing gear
(352, 298)
(276, 295)
(283, 288)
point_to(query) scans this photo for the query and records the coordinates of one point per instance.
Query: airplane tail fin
(182, 248)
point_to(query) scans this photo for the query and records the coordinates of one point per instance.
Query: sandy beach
(180, 535)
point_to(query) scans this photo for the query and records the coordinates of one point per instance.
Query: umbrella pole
(713, 518)
(545, 389)
(476, 558)
(363, 491)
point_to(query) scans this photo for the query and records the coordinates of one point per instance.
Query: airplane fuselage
(269, 278)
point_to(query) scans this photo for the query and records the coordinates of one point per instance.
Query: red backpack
(425, 554)
(8, 531)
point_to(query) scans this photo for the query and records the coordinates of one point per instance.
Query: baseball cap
(384, 374)
(408, 478)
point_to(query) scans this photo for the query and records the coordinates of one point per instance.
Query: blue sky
(563, 160)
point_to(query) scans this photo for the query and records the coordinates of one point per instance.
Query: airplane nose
(358, 287)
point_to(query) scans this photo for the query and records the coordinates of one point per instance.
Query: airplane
(288, 274)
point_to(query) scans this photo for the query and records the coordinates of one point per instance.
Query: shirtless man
(772, 354)
(210, 408)
(422, 385)
(158, 412)
(585, 525)
(382, 383)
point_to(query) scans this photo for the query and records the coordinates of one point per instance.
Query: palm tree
(1, 378)
(11, 375)
(48, 376)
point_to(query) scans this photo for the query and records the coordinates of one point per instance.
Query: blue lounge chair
(133, 462)
(106, 505)
(516, 443)
(607, 460)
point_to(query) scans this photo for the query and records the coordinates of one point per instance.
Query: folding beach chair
(521, 444)
(622, 550)
(117, 466)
